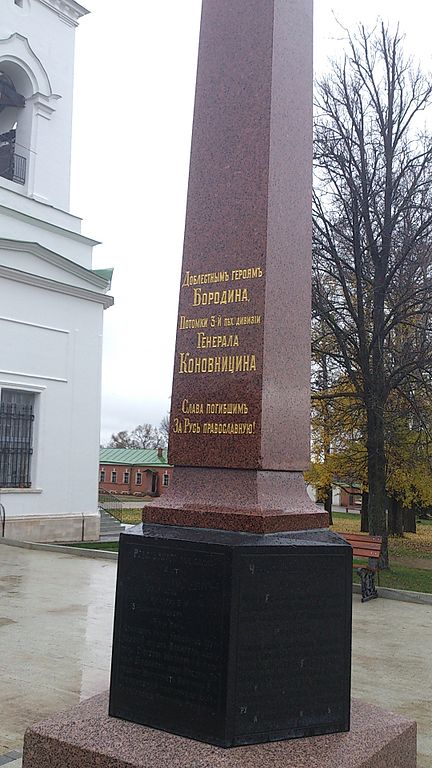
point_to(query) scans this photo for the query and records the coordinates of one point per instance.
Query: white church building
(51, 300)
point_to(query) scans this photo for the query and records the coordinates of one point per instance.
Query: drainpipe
(2, 519)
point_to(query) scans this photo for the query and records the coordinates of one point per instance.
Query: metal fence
(16, 445)
(19, 171)
(110, 503)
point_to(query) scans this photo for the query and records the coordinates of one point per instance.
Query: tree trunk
(364, 524)
(409, 521)
(395, 519)
(328, 503)
(377, 505)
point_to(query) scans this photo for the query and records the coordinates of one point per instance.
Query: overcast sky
(134, 90)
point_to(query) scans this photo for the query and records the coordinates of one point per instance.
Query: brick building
(134, 471)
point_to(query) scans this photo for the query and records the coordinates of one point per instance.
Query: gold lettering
(247, 274)
(187, 324)
(233, 296)
(249, 320)
(215, 342)
(191, 427)
(220, 364)
(188, 407)
(229, 428)
(206, 278)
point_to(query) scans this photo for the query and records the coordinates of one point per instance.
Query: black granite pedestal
(232, 638)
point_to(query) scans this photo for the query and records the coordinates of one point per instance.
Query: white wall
(41, 40)
(34, 224)
(51, 310)
(58, 356)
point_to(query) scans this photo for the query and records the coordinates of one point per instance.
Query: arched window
(12, 164)
(28, 144)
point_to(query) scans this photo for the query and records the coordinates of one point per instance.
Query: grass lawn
(140, 499)
(131, 516)
(409, 545)
(399, 577)
(110, 546)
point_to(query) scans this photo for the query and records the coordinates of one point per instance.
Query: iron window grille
(16, 444)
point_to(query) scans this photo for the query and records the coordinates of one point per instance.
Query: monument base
(254, 501)
(86, 736)
(232, 638)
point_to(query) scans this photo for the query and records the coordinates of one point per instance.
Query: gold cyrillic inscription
(222, 364)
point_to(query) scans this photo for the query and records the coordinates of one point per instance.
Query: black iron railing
(15, 169)
(2, 520)
(19, 170)
(110, 503)
(12, 166)
(16, 445)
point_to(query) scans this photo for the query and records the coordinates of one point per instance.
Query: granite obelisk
(239, 436)
(233, 606)
(225, 632)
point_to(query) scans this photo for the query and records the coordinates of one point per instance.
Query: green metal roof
(106, 274)
(145, 457)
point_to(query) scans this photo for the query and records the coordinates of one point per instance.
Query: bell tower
(52, 301)
(37, 40)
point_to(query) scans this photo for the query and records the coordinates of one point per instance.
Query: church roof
(144, 457)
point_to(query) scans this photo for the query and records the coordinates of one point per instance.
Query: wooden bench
(369, 547)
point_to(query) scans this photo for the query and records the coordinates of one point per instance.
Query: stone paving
(56, 614)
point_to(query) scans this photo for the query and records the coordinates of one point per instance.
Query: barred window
(138, 478)
(114, 476)
(16, 438)
(102, 476)
(165, 481)
(125, 477)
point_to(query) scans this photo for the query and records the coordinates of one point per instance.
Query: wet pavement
(56, 616)
(56, 613)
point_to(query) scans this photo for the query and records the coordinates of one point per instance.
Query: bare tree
(164, 429)
(372, 287)
(142, 436)
(121, 439)
(145, 436)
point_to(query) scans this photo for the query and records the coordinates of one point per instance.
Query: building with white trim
(51, 300)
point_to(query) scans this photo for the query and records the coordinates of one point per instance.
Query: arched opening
(15, 121)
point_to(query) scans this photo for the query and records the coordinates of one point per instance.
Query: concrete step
(108, 524)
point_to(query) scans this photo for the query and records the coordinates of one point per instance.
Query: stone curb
(94, 554)
(421, 598)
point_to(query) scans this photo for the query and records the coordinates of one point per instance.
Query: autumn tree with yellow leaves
(372, 254)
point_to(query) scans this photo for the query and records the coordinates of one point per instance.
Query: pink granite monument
(240, 417)
(233, 607)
